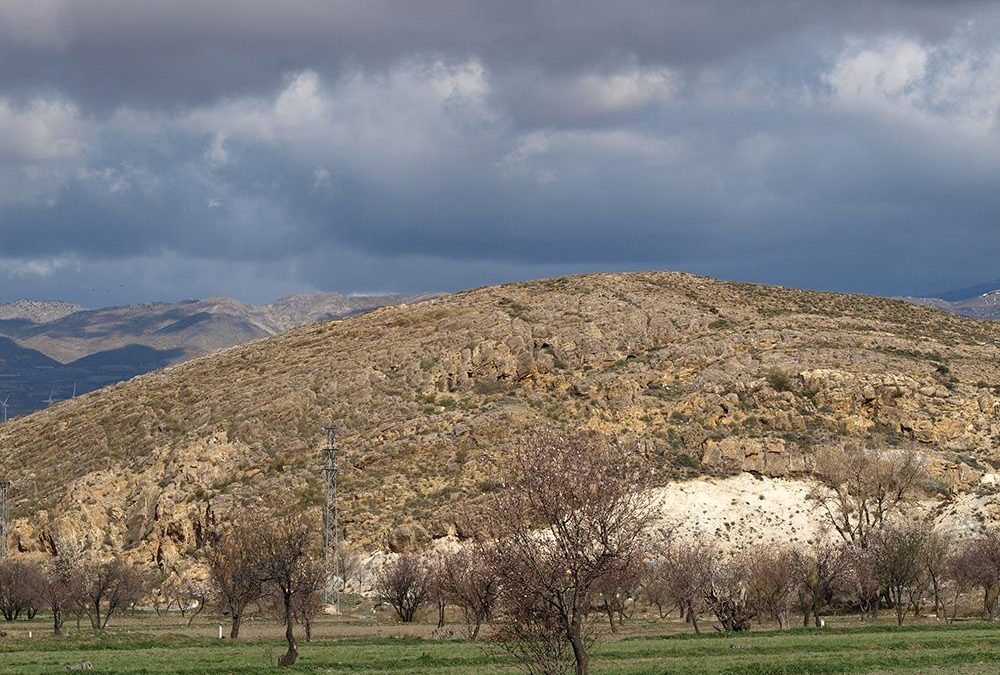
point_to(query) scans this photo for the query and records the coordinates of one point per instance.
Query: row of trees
(459, 579)
(258, 561)
(563, 540)
(69, 584)
(910, 569)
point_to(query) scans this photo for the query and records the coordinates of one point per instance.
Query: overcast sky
(253, 148)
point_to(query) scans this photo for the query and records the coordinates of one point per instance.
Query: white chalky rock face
(748, 509)
(740, 510)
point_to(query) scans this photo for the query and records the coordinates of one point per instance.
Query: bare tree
(235, 572)
(978, 564)
(728, 595)
(963, 572)
(862, 487)
(655, 589)
(864, 576)
(470, 585)
(825, 572)
(937, 548)
(690, 568)
(616, 588)
(197, 592)
(571, 510)
(899, 563)
(21, 588)
(405, 584)
(349, 564)
(310, 599)
(108, 587)
(62, 584)
(437, 593)
(287, 559)
(773, 577)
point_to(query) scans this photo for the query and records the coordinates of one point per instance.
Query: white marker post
(220, 631)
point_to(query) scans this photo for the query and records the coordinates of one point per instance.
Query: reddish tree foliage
(617, 588)
(108, 587)
(825, 572)
(978, 564)
(21, 588)
(690, 568)
(570, 511)
(405, 584)
(773, 577)
(288, 554)
(469, 584)
(235, 573)
(864, 577)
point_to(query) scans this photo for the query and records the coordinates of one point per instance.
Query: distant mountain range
(49, 350)
(977, 302)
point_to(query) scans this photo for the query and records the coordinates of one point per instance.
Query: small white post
(29, 634)
(220, 631)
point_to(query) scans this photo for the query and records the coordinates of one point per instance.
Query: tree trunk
(611, 618)
(95, 618)
(201, 606)
(234, 631)
(307, 624)
(441, 607)
(292, 655)
(693, 618)
(580, 655)
(782, 623)
(896, 595)
(57, 620)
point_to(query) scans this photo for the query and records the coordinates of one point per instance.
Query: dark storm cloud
(255, 148)
(111, 53)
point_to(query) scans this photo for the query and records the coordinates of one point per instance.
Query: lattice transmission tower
(5, 486)
(331, 522)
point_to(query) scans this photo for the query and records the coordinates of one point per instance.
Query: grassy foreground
(965, 649)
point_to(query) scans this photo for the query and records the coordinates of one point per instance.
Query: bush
(779, 380)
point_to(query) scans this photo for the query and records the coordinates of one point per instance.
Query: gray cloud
(257, 148)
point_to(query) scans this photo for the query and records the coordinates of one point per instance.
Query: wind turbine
(51, 399)
(3, 404)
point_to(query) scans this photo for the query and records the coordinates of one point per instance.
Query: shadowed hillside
(712, 377)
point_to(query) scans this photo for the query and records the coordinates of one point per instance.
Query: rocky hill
(712, 377)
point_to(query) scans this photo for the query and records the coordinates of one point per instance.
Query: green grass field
(964, 649)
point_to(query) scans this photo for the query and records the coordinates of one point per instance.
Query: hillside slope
(713, 377)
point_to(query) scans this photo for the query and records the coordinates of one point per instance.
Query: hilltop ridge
(711, 377)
